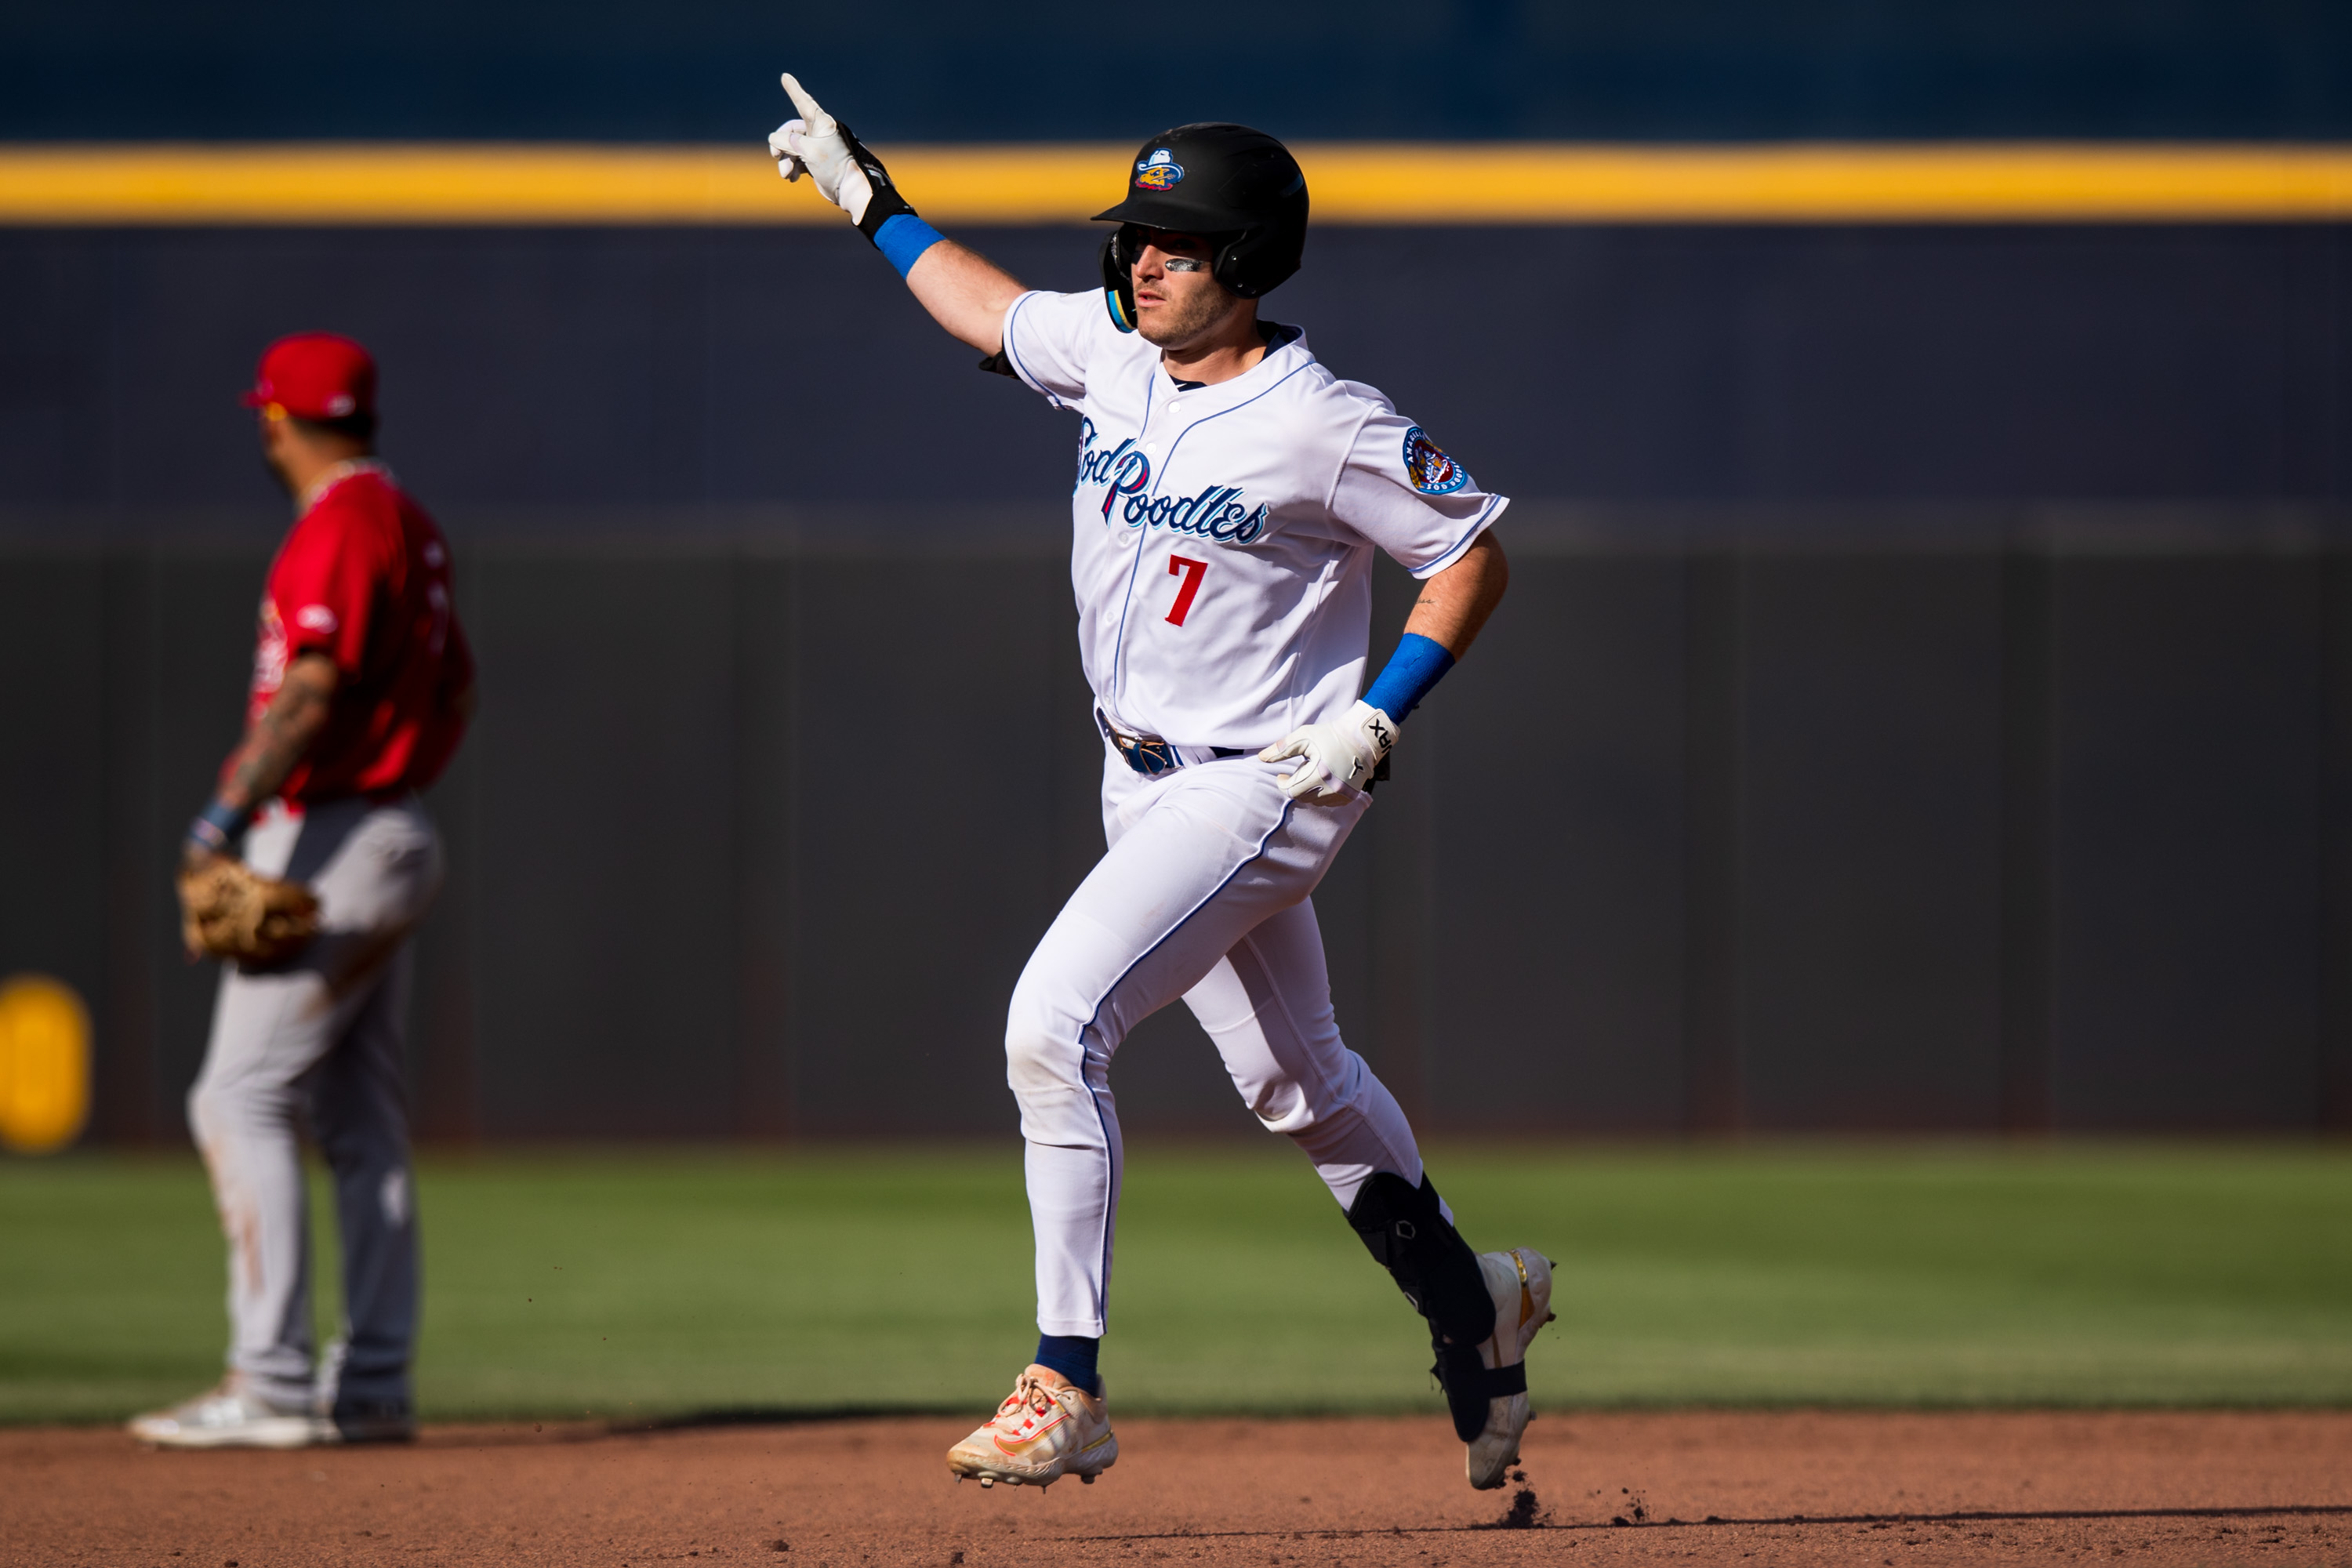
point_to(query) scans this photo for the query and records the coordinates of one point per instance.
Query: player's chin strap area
(1119, 281)
(1408, 1234)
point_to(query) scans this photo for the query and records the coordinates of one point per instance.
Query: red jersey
(363, 578)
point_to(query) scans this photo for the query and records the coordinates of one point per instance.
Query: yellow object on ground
(44, 1064)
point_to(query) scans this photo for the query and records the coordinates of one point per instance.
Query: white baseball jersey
(1223, 535)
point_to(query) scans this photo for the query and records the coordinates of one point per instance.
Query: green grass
(637, 1283)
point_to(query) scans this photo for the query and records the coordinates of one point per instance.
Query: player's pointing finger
(820, 123)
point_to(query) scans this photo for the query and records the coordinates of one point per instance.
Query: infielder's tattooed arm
(273, 743)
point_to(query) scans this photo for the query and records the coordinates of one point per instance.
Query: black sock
(1072, 1356)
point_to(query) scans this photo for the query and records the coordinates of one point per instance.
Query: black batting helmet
(1238, 186)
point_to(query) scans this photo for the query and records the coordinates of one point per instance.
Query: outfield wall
(1783, 837)
(1923, 699)
(622, 381)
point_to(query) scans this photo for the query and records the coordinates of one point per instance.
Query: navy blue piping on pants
(1110, 1184)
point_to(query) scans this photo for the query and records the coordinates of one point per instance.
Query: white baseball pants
(1204, 895)
(321, 1036)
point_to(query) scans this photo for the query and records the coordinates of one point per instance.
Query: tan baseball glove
(227, 910)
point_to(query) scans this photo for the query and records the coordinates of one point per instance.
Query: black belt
(1149, 754)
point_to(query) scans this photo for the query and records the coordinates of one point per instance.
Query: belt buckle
(1147, 754)
(1150, 756)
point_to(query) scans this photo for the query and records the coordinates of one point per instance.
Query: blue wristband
(217, 826)
(1418, 663)
(902, 237)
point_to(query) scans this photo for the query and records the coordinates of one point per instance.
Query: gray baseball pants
(320, 1041)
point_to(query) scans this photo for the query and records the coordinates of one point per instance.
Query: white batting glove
(812, 143)
(780, 148)
(1337, 755)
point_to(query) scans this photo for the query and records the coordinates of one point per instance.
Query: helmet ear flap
(1232, 266)
(1257, 261)
(1118, 277)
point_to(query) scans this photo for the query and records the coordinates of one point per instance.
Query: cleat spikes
(1521, 1283)
(1043, 1432)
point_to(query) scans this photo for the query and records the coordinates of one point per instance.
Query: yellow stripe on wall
(1351, 183)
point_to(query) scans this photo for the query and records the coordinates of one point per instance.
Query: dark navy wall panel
(1553, 772)
(562, 383)
(565, 370)
(53, 708)
(1059, 69)
(754, 840)
(930, 773)
(2188, 875)
(606, 740)
(1870, 866)
(1887, 362)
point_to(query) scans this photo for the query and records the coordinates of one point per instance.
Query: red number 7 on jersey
(1191, 571)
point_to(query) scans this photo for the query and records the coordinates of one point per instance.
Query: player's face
(1177, 300)
(275, 436)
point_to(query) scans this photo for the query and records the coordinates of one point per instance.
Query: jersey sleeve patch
(316, 619)
(1433, 472)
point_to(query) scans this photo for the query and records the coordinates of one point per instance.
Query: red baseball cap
(315, 375)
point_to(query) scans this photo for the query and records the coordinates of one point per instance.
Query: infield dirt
(1766, 1488)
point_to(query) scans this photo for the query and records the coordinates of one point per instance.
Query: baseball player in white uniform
(1229, 492)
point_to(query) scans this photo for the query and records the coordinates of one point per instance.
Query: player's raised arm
(964, 291)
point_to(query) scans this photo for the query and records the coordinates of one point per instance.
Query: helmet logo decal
(1433, 472)
(1160, 172)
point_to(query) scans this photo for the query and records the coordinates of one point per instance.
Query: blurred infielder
(1229, 492)
(309, 870)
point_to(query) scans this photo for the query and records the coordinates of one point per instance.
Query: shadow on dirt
(1522, 1515)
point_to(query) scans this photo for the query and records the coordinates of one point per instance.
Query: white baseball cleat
(231, 1416)
(1039, 1433)
(1520, 1282)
